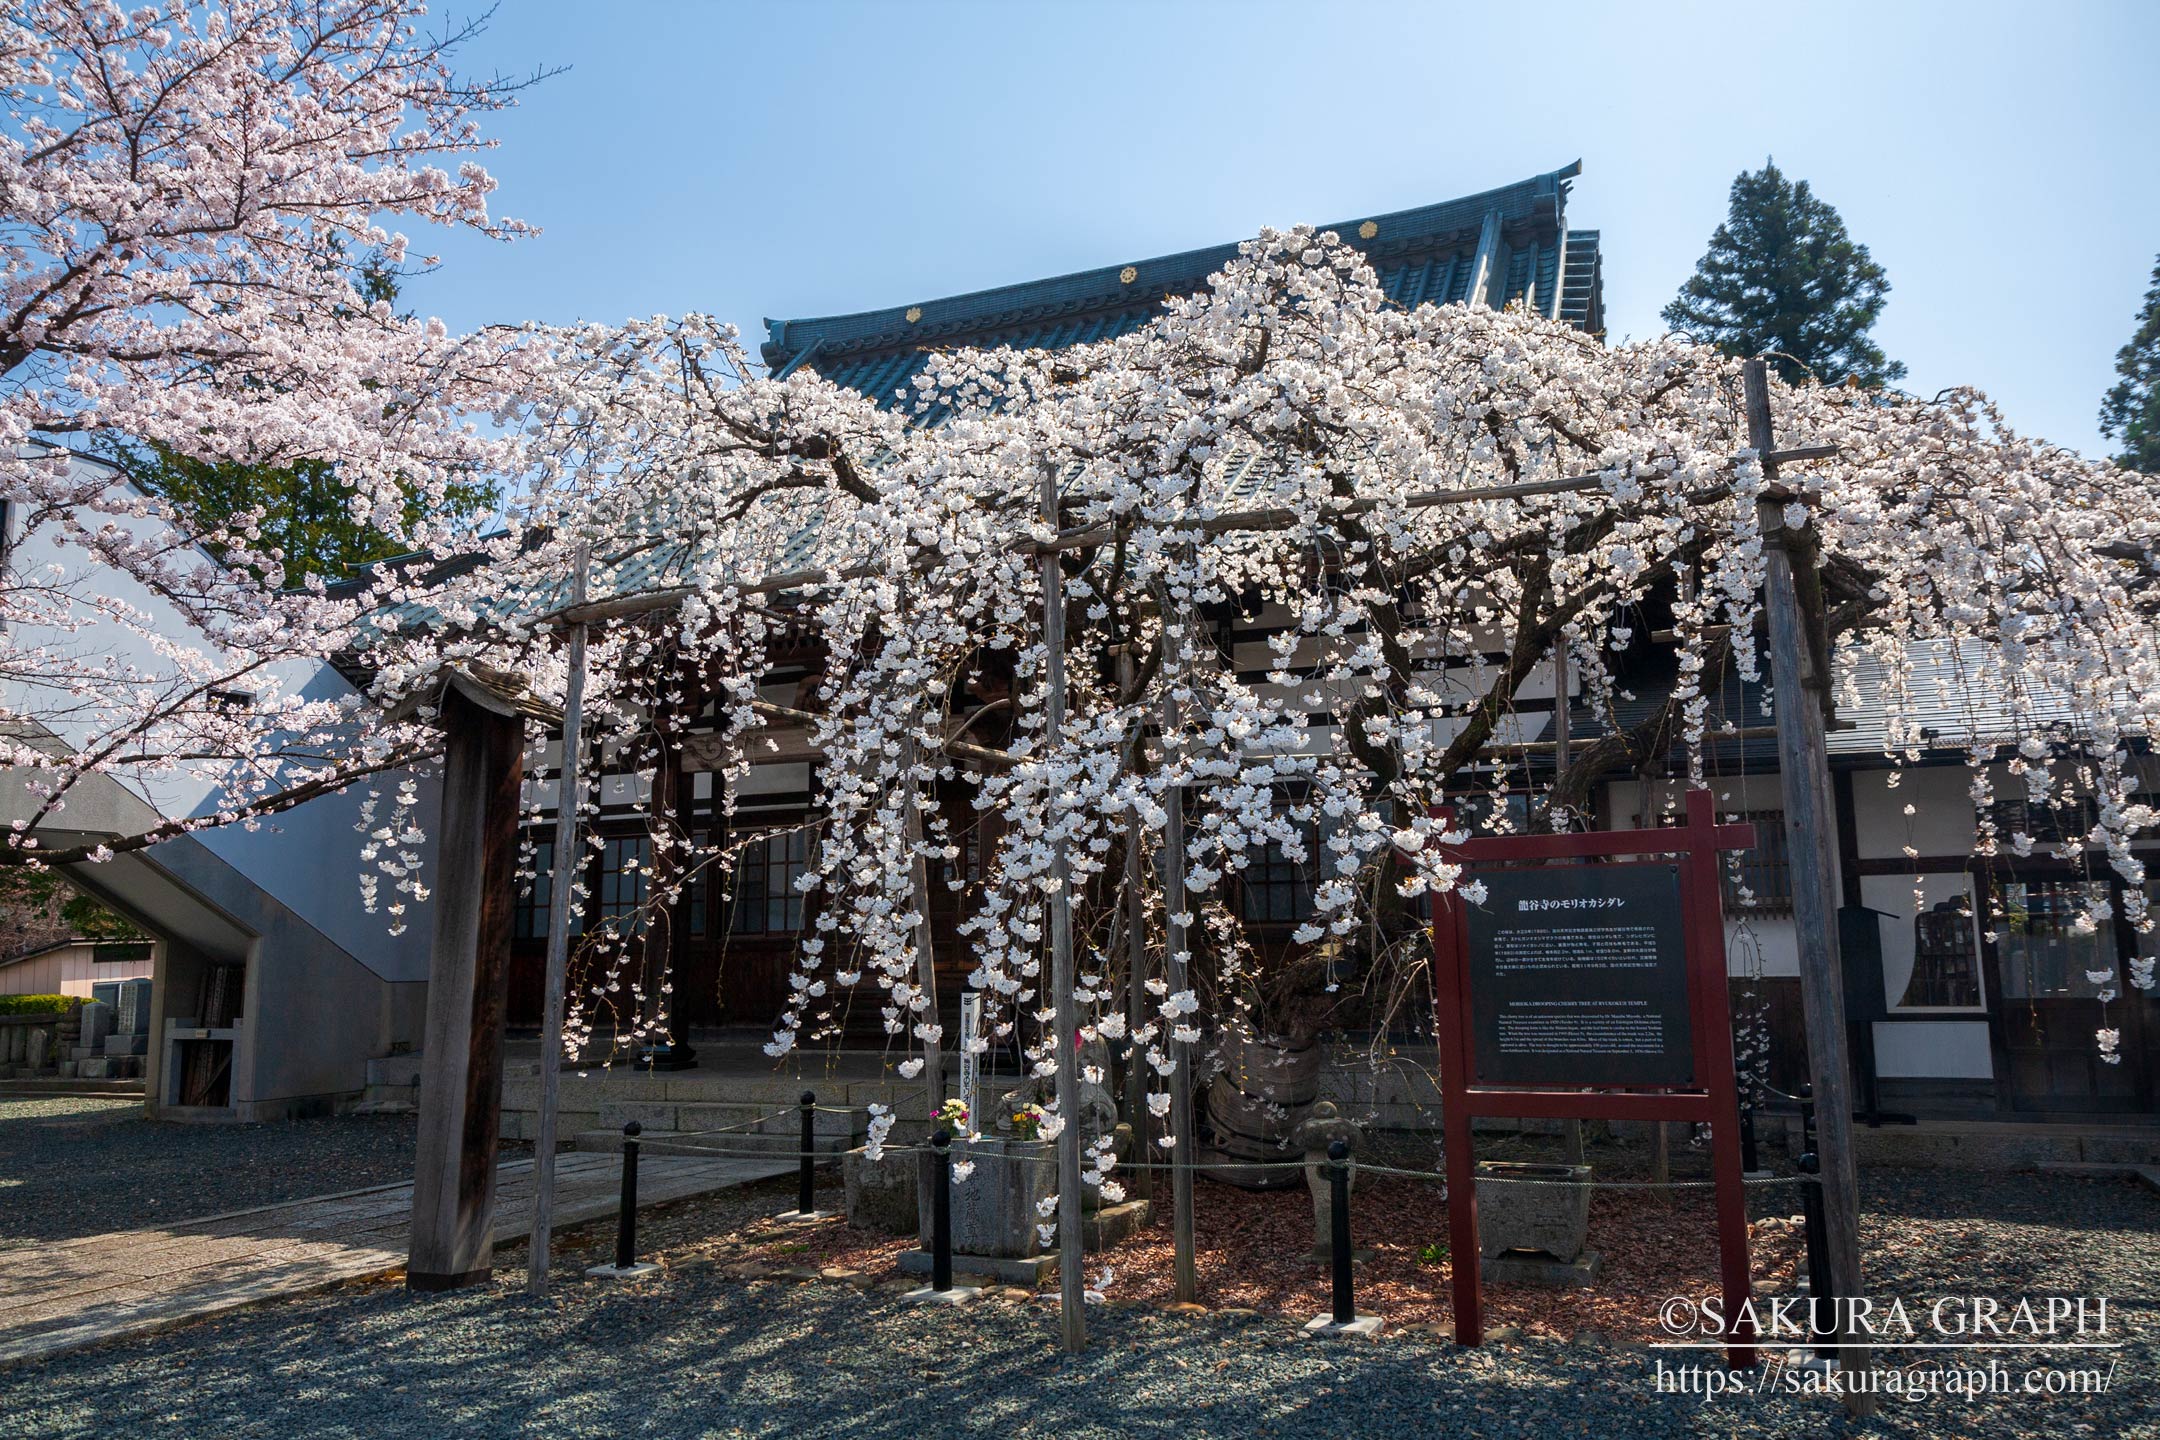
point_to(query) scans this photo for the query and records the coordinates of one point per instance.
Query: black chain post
(1822, 1293)
(626, 1220)
(1807, 1119)
(806, 1193)
(941, 1211)
(1339, 1229)
(1750, 1158)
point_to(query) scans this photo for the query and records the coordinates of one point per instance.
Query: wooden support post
(1136, 967)
(1810, 837)
(568, 785)
(1133, 920)
(1072, 1294)
(933, 1071)
(1177, 944)
(468, 976)
(667, 1043)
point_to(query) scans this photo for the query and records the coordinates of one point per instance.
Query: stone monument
(1533, 1223)
(1324, 1125)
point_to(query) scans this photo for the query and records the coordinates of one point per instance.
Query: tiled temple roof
(1499, 247)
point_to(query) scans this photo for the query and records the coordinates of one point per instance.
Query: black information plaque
(1578, 976)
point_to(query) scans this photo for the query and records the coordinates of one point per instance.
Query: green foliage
(305, 509)
(92, 919)
(1782, 279)
(38, 1004)
(1433, 1252)
(85, 915)
(2131, 411)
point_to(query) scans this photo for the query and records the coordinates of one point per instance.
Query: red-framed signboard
(1590, 992)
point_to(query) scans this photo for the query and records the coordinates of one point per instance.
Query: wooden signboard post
(1591, 992)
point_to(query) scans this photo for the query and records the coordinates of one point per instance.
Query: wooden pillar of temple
(461, 1067)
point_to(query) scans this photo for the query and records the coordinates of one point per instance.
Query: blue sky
(821, 157)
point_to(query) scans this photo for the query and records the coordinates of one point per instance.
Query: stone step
(387, 1100)
(2145, 1175)
(68, 1085)
(393, 1071)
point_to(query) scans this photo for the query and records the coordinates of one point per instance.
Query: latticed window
(625, 867)
(1759, 881)
(1278, 889)
(966, 868)
(1946, 958)
(529, 920)
(766, 900)
(2046, 824)
(697, 894)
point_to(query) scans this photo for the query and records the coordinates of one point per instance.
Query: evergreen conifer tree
(2131, 411)
(305, 511)
(1783, 279)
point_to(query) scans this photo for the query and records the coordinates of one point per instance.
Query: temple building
(1972, 993)
(1970, 989)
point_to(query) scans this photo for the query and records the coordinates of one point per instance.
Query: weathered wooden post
(468, 974)
(1797, 669)
(1176, 952)
(1136, 968)
(1133, 917)
(1071, 1292)
(933, 1072)
(568, 786)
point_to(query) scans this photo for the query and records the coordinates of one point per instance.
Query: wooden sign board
(1578, 976)
(1591, 991)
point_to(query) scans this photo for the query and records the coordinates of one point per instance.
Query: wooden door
(2057, 947)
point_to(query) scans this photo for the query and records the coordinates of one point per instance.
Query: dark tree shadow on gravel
(695, 1354)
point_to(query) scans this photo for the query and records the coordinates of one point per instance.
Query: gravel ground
(73, 1166)
(696, 1353)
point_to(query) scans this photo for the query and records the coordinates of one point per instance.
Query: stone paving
(96, 1288)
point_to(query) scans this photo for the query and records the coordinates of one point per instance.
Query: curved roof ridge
(1541, 198)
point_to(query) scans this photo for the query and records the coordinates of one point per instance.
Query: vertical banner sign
(1578, 976)
(970, 1062)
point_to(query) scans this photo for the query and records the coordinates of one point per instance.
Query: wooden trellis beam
(645, 602)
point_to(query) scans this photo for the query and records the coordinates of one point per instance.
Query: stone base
(803, 1217)
(429, 1282)
(1523, 1267)
(958, 1295)
(882, 1196)
(628, 1272)
(1100, 1229)
(1325, 1255)
(1031, 1270)
(1362, 1327)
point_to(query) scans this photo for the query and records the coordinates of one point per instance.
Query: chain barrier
(1215, 1166)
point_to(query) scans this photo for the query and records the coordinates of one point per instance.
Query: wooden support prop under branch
(1798, 648)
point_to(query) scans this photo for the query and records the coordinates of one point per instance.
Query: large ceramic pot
(1264, 1089)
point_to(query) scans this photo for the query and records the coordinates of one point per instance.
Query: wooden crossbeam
(645, 602)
